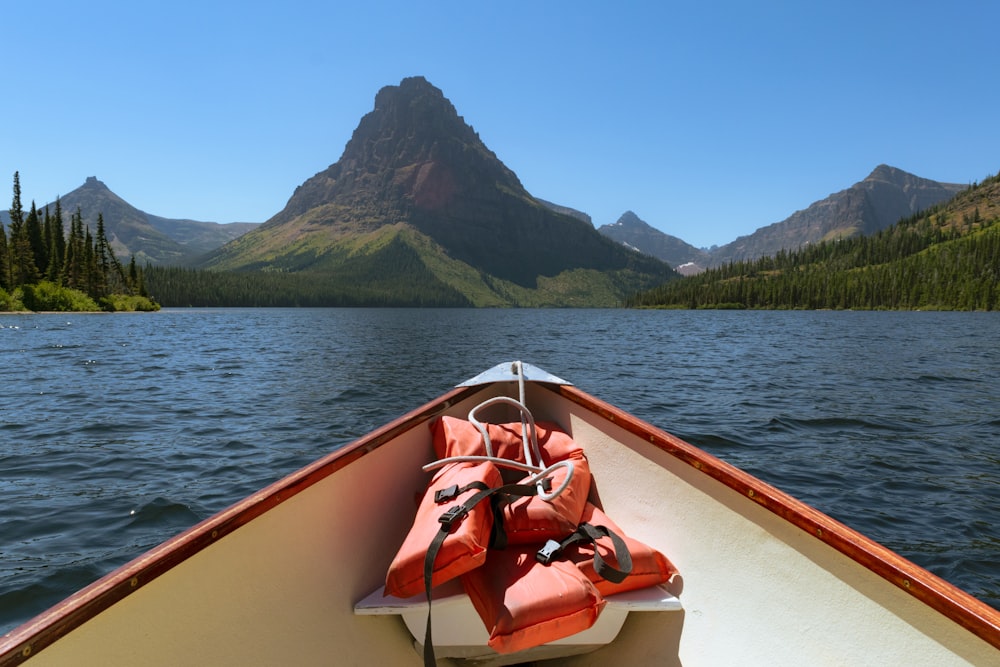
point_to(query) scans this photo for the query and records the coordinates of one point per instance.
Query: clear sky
(707, 119)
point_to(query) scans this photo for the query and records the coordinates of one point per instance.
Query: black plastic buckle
(453, 514)
(446, 494)
(548, 552)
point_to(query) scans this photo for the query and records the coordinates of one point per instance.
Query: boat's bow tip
(507, 371)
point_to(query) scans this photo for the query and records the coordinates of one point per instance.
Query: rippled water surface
(117, 431)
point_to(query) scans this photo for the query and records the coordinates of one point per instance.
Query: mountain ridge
(878, 201)
(413, 161)
(152, 239)
(159, 240)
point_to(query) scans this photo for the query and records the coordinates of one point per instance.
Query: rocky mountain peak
(93, 186)
(413, 150)
(409, 122)
(895, 177)
(412, 92)
(630, 219)
(884, 172)
(634, 232)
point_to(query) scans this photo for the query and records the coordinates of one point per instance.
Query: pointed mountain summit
(128, 229)
(150, 238)
(416, 181)
(636, 233)
(882, 199)
(407, 152)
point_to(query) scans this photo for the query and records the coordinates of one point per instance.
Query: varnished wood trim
(27, 640)
(954, 603)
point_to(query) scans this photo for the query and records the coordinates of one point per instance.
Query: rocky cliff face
(413, 151)
(414, 161)
(879, 201)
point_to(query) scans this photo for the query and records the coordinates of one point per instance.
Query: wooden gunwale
(949, 600)
(21, 643)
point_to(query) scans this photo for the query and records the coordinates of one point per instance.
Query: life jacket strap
(586, 532)
(454, 491)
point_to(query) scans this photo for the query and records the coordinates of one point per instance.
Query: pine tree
(102, 264)
(22, 261)
(89, 264)
(57, 244)
(133, 275)
(16, 211)
(4, 264)
(117, 280)
(73, 269)
(39, 249)
(140, 287)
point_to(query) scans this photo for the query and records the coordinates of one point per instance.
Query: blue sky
(707, 119)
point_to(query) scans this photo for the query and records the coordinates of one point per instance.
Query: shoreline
(72, 312)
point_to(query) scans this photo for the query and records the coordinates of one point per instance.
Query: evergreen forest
(944, 258)
(43, 268)
(184, 287)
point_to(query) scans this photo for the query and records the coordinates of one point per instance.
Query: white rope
(525, 415)
(527, 425)
(537, 478)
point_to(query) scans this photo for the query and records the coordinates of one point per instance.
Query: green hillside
(946, 258)
(394, 265)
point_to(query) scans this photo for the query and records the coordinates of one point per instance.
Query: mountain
(879, 201)
(945, 258)
(635, 233)
(197, 237)
(417, 188)
(152, 239)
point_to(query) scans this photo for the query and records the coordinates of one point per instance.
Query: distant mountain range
(152, 239)
(875, 203)
(416, 198)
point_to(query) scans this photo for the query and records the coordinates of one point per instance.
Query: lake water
(118, 431)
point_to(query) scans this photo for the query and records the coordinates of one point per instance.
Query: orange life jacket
(524, 603)
(464, 547)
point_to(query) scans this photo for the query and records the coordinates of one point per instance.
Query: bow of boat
(276, 578)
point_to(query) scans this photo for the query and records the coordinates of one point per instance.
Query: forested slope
(946, 258)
